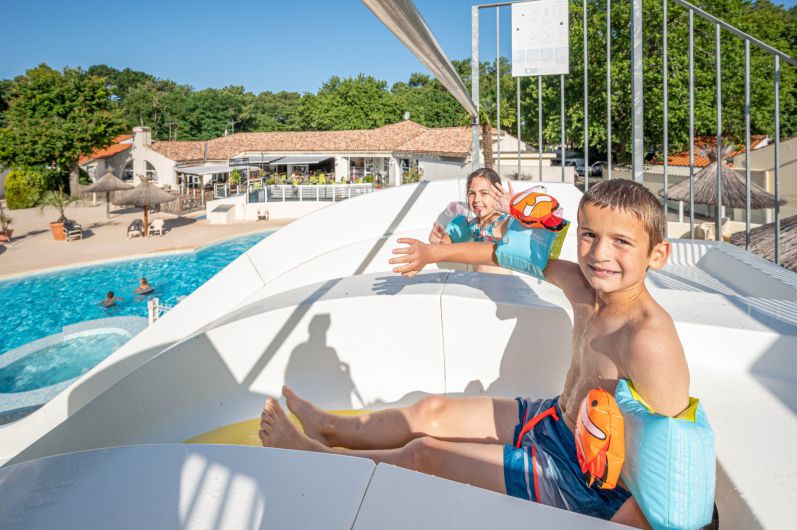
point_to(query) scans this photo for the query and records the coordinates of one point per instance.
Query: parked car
(595, 169)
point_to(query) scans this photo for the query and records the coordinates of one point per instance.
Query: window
(152, 173)
(127, 172)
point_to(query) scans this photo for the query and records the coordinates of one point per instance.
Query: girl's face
(479, 200)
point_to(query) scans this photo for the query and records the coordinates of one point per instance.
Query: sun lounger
(156, 226)
(135, 229)
(72, 231)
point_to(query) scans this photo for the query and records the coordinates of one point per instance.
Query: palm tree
(58, 200)
(487, 117)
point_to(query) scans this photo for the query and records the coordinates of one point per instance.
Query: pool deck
(33, 248)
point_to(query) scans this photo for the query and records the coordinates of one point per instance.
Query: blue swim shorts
(545, 467)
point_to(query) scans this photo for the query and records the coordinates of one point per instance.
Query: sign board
(540, 38)
(238, 162)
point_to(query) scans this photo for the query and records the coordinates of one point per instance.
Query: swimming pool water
(59, 362)
(35, 306)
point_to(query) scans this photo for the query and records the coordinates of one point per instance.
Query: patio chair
(156, 226)
(72, 231)
(135, 229)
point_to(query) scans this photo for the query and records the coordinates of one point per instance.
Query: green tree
(361, 102)
(276, 111)
(55, 117)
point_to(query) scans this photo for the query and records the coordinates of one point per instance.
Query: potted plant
(57, 200)
(5, 231)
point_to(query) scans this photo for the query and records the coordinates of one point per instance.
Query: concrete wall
(443, 169)
(142, 153)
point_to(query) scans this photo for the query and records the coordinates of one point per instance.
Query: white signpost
(540, 38)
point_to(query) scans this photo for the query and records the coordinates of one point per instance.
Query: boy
(143, 287)
(619, 331)
(110, 300)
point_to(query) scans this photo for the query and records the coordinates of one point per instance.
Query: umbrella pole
(146, 223)
(107, 204)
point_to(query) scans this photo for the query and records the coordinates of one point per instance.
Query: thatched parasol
(107, 184)
(762, 241)
(146, 195)
(734, 189)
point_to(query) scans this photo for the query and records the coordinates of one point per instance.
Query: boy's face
(613, 249)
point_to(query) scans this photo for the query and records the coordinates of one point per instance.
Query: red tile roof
(106, 152)
(682, 158)
(405, 137)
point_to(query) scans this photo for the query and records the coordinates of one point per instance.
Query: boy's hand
(501, 198)
(413, 258)
(438, 235)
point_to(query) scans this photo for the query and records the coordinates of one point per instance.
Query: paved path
(34, 249)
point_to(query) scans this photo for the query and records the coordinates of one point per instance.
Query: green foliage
(25, 186)
(362, 102)
(368, 179)
(57, 200)
(55, 117)
(411, 176)
(322, 178)
(235, 177)
(83, 177)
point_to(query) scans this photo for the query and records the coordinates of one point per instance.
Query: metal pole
(539, 124)
(777, 159)
(586, 102)
(747, 143)
(609, 87)
(666, 104)
(474, 87)
(637, 168)
(498, 82)
(691, 124)
(517, 97)
(718, 235)
(562, 118)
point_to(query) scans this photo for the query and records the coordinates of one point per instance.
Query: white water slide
(315, 306)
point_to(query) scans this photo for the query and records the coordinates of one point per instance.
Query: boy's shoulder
(655, 361)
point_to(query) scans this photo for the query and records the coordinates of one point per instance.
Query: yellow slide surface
(245, 432)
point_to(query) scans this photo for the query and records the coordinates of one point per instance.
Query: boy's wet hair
(110, 294)
(486, 173)
(631, 197)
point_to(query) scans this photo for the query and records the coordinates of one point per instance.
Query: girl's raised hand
(438, 235)
(501, 198)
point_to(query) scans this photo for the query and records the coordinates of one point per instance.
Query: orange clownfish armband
(537, 210)
(600, 439)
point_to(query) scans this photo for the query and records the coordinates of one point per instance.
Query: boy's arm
(416, 255)
(656, 364)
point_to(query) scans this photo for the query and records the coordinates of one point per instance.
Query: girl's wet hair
(486, 173)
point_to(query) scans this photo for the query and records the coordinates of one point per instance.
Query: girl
(487, 224)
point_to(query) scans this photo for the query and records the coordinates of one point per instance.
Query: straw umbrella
(146, 195)
(762, 241)
(107, 184)
(734, 188)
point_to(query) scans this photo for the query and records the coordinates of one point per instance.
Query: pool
(38, 305)
(67, 359)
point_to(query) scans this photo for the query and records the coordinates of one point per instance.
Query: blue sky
(262, 45)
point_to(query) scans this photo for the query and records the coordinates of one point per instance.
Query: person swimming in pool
(144, 287)
(110, 300)
(526, 447)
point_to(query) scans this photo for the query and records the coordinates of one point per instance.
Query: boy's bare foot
(312, 418)
(276, 430)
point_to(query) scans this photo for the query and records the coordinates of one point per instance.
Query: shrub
(25, 186)
(322, 179)
(369, 179)
(83, 177)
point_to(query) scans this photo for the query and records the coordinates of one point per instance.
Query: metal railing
(636, 89)
(303, 193)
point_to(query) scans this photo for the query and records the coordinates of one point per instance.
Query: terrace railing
(321, 192)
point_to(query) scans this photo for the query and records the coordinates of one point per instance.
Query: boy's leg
(478, 464)
(468, 419)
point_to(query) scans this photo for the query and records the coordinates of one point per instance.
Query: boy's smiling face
(614, 249)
